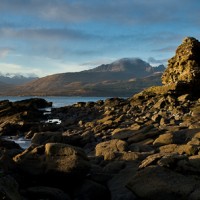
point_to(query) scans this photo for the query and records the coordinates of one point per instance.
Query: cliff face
(185, 65)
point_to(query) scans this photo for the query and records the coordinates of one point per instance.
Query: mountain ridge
(16, 79)
(122, 65)
(116, 78)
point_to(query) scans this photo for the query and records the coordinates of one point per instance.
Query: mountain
(120, 78)
(5, 87)
(16, 79)
(138, 67)
(135, 65)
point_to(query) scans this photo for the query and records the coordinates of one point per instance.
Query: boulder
(169, 148)
(33, 103)
(195, 161)
(46, 137)
(91, 190)
(114, 167)
(117, 185)
(6, 144)
(140, 148)
(54, 159)
(114, 102)
(164, 139)
(124, 133)
(19, 117)
(159, 183)
(9, 188)
(109, 148)
(148, 132)
(43, 192)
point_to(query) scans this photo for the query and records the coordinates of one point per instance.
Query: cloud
(63, 10)
(152, 60)
(126, 11)
(53, 43)
(44, 34)
(166, 49)
(15, 68)
(97, 62)
(40, 66)
(5, 51)
(85, 52)
(85, 31)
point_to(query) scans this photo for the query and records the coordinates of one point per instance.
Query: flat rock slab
(159, 183)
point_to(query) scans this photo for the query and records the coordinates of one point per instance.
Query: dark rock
(143, 134)
(46, 137)
(97, 173)
(19, 117)
(141, 148)
(114, 167)
(125, 133)
(117, 185)
(158, 183)
(42, 192)
(6, 144)
(33, 103)
(54, 160)
(91, 190)
(114, 102)
(9, 188)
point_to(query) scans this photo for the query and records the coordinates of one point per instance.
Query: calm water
(57, 101)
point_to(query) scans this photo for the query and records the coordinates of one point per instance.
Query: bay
(58, 101)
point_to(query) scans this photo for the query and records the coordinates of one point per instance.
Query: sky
(44, 37)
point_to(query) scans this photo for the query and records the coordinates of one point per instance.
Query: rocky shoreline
(143, 147)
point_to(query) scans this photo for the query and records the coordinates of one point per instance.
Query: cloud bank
(74, 33)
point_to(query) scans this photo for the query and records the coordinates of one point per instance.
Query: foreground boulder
(54, 160)
(158, 183)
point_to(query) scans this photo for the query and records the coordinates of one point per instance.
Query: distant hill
(120, 78)
(4, 87)
(15, 79)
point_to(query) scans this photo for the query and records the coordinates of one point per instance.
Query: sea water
(58, 101)
(21, 141)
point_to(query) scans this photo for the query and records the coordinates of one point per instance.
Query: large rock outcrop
(185, 65)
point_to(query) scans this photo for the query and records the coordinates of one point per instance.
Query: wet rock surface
(143, 147)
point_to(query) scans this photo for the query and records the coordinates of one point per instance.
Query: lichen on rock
(185, 65)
